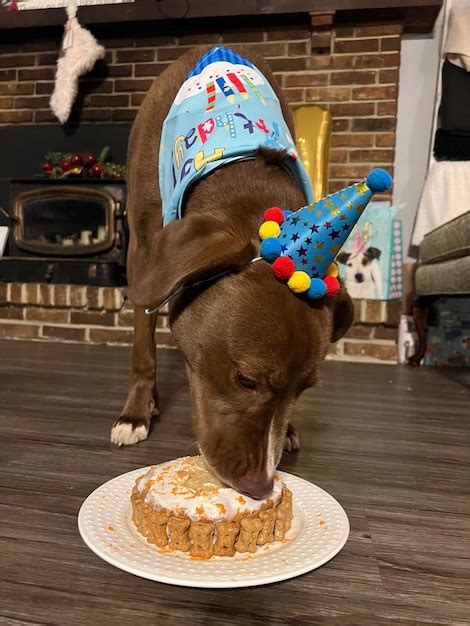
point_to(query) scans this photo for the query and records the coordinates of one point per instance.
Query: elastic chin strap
(162, 304)
(186, 288)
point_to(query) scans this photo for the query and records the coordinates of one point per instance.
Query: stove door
(64, 221)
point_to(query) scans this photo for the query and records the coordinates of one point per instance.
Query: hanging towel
(451, 145)
(457, 45)
(455, 99)
(446, 195)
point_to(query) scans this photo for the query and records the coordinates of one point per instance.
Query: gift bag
(371, 261)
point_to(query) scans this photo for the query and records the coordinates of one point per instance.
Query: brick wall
(75, 313)
(352, 71)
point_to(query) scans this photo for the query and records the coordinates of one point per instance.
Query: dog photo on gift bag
(371, 262)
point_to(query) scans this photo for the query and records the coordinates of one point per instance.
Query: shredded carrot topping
(221, 507)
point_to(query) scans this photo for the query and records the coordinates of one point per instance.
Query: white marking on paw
(122, 434)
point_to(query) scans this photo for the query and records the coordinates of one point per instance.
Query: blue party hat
(303, 245)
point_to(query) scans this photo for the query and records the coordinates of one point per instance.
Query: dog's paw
(291, 441)
(127, 433)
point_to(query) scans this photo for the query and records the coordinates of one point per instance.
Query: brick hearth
(82, 314)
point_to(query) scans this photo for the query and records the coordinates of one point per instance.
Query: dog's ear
(343, 257)
(186, 251)
(373, 253)
(343, 314)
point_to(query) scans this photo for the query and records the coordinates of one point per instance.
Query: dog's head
(250, 344)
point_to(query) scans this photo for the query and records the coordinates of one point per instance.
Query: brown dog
(251, 346)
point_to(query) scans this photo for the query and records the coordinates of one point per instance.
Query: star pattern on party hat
(302, 245)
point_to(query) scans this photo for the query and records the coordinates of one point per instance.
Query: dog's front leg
(291, 440)
(142, 398)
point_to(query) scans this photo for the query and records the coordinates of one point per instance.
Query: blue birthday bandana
(224, 111)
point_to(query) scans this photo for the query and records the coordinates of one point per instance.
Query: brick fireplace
(351, 69)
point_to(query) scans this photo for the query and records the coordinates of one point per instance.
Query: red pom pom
(332, 285)
(283, 267)
(274, 214)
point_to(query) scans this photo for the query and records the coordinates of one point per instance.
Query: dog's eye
(246, 382)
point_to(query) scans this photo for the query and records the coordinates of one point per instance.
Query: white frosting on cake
(187, 485)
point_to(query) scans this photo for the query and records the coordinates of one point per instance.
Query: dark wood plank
(390, 443)
(410, 12)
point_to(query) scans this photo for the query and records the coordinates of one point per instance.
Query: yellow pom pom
(333, 270)
(299, 282)
(269, 229)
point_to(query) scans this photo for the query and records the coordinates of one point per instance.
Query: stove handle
(49, 275)
(10, 218)
(119, 216)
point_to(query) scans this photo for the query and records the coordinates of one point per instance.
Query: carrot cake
(181, 505)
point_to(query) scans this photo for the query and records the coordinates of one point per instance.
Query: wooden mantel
(415, 15)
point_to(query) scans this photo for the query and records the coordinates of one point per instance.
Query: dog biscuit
(158, 532)
(178, 530)
(200, 534)
(283, 515)
(268, 518)
(227, 533)
(250, 528)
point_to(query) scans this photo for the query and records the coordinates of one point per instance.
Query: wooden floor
(390, 443)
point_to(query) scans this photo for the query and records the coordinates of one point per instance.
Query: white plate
(319, 530)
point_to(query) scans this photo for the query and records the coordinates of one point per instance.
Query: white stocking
(79, 53)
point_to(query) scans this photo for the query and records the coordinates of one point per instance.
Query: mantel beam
(414, 15)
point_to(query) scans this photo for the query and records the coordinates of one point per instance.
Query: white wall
(418, 80)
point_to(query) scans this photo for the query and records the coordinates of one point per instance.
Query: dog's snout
(255, 486)
(359, 277)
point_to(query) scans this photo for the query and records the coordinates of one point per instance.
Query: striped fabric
(218, 53)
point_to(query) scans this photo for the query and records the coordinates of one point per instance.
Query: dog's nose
(359, 277)
(255, 486)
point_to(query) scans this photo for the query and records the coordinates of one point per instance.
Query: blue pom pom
(270, 249)
(287, 212)
(379, 180)
(317, 289)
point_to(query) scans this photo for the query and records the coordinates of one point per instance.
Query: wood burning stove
(72, 231)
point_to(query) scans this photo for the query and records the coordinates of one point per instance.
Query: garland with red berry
(86, 165)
